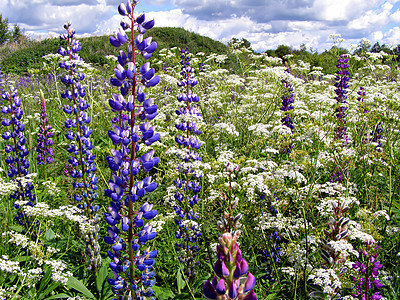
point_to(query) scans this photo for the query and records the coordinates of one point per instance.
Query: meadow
(200, 175)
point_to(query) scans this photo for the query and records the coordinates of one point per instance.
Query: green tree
(17, 34)
(4, 32)
(282, 50)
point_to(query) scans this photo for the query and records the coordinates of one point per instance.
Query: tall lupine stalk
(132, 261)
(188, 184)
(287, 105)
(273, 251)
(44, 143)
(342, 79)
(338, 230)
(1, 85)
(17, 153)
(377, 136)
(366, 281)
(80, 148)
(232, 278)
(361, 96)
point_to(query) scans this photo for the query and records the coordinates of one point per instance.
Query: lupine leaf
(162, 293)
(102, 277)
(75, 284)
(58, 296)
(180, 281)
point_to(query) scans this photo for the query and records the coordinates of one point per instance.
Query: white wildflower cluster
(212, 196)
(36, 252)
(225, 157)
(261, 129)
(235, 80)
(191, 224)
(391, 230)
(52, 56)
(226, 128)
(270, 150)
(288, 270)
(271, 59)
(254, 165)
(254, 183)
(157, 225)
(191, 116)
(7, 188)
(382, 214)
(23, 181)
(51, 188)
(8, 293)
(219, 58)
(24, 242)
(355, 231)
(58, 273)
(296, 255)
(326, 205)
(336, 188)
(169, 80)
(159, 221)
(326, 279)
(281, 129)
(69, 212)
(182, 153)
(111, 57)
(196, 166)
(287, 226)
(29, 277)
(343, 247)
(169, 197)
(77, 298)
(291, 171)
(52, 250)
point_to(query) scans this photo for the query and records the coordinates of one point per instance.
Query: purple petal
(250, 296)
(209, 291)
(232, 290)
(220, 288)
(249, 283)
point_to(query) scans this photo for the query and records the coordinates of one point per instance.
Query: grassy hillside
(94, 49)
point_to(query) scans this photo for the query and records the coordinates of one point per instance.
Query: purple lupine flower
(377, 136)
(342, 79)
(367, 281)
(287, 106)
(1, 85)
(16, 153)
(273, 254)
(44, 150)
(80, 148)
(233, 279)
(129, 230)
(188, 184)
(361, 96)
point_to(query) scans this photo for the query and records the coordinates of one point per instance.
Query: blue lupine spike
(130, 131)
(81, 160)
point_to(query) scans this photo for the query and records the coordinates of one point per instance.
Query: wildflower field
(183, 178)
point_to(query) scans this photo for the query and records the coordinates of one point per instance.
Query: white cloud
(395, 17)
(392, 37)
(377, 35)
(266, 24)
(372, 18)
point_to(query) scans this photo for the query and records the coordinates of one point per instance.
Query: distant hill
(94, 49)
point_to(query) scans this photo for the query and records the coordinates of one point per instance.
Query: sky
(265, 23)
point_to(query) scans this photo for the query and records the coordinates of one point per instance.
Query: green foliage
(96, 48)
(4, 32)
